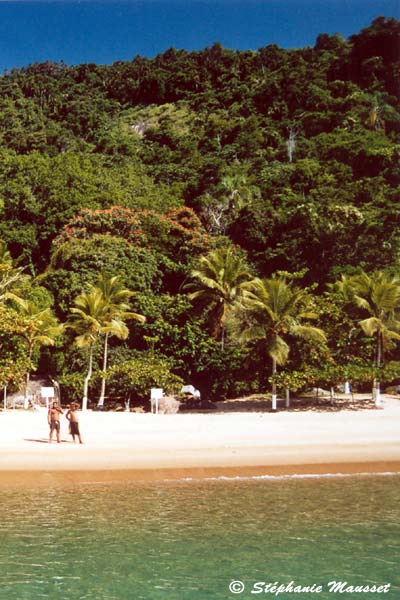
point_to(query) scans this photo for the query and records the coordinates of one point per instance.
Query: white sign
(47, 392)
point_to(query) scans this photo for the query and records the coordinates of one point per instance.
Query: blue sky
(104, 31)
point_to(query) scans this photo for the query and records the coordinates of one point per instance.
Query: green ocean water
(188, 540)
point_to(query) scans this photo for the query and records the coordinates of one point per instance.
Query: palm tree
(43, 329)
(218, 283)
(239, 191)
(87, 319)
(115, 297)
(270, 310)
(378, 295)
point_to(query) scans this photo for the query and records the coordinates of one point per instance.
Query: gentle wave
(282, 477)
(242, 478)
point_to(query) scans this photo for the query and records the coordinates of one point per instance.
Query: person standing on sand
(53, 419)
(72, 416)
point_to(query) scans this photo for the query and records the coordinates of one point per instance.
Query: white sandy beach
(152, 446)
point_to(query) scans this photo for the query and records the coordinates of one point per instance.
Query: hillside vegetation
(161, 171)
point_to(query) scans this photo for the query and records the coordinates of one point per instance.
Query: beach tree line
(249, 333)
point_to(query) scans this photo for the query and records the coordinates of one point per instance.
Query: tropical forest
(223, 219)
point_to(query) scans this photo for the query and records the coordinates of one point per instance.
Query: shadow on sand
(45, 441)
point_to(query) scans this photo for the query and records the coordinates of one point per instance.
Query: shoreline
(131, 446)
(22, 478)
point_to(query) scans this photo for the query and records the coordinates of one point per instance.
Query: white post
(287, 403)
(378, 398)
(5, 397)
(274, 401)
(347, 389)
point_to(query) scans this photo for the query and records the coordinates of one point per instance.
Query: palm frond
(278, 349)
(371, 326)
(117, 328)
(307, 332)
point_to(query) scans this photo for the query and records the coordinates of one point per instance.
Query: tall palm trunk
(103, 379)
(26, 401)
(27, 378)
(287, 397)
(274, 395)
(87, 379)
(376, 392)
(378, 349)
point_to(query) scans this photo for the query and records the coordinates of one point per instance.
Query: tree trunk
(103, 379)
(87, 379)
(28, 375)
(274, 396)
(378, 349)
(26, 402)
(376, 392)
(332, 393)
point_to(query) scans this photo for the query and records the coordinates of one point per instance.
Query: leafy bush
(137, 376)
(71, 387)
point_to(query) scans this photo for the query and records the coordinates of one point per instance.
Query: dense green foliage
(146, 169)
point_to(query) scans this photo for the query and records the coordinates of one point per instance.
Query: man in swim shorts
(53, 419)
(72, 416)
